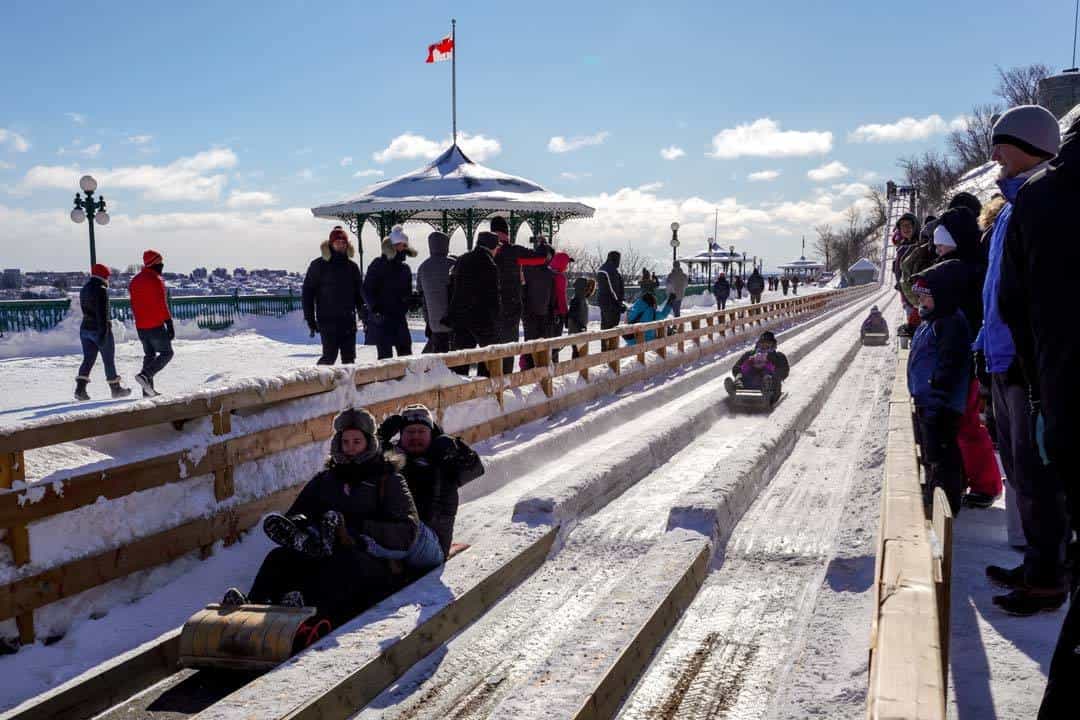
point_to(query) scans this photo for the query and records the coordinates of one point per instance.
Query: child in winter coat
(875, 323)
(764, 367)
(577, 315)
(938, 375)
(644, 310)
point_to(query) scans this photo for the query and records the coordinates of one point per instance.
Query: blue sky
(214, 126)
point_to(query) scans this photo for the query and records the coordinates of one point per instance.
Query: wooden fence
(691, 338)
(909, 636)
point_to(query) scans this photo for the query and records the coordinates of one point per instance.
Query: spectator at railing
(511, 258)
(1037, 300)
(577, 316)
(333, 297)
(388, 291)
(676, 284)
(559, 264)
(538, 308)
(475, 299)
(644, 310)
(610, 293)
(433, 282)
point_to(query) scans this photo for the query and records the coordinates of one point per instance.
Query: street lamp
(89, 209)
(674, 242)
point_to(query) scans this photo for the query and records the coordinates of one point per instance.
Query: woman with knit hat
(95, 333)
(150, 306)
(388, 292)
(360, 493)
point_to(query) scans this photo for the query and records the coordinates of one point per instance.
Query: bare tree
(823, 245)
(1020, 85)
(879, 208)
(971, 146)
(932, 174)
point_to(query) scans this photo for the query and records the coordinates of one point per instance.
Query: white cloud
(91, 151)
(368, 173)
(650, 187)
(188, 178)
(672, 152)
(140, 139)
(238, 199)
(17, 142)
(411, 146)
(346, 161)
(764, 138)
(763, 176)
(77, 118)
(559, 144)
(906, 129)
(828, 171)
(855, 189)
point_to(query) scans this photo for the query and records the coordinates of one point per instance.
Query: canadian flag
(440, 51)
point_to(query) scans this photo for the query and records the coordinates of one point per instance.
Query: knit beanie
(354, 419)
(920, 287)
(100, 271)
(499, 225)
(943, 237)
(398, 236)
(417, 414)
(151, 258)
(338, 233)
(487, 240)
(1031, 128)
(966, 200)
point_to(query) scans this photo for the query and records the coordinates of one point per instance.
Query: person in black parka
(721, 291)
(610, 293)
(475, 300)
(755, 285)
(361, 492)
(510, 258)
(95, 334)
(333, 296)
(388, 290)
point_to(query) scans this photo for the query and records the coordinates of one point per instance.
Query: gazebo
(803, 269)
(454, 192)
(699, 266)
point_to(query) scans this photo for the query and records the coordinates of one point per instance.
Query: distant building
(239, 272)
(199, 273)
(12, 279)
(221, 273)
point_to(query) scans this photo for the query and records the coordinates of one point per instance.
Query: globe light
(78, 216)
(674, 227)
(87, 183)
(102, 218)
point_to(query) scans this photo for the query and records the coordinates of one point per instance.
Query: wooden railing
(909, 636)
(691, 338)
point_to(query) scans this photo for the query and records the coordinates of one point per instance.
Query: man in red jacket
(152, 319)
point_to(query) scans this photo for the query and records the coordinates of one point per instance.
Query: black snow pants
(468, 338)
(337, 336)
(509, 330)
(340, 586)
(941, 455)
(438, 342)
(609, 316)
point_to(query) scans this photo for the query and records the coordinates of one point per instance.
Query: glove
(443, 449)
(622, 308)
(390, 427)
(170, 329)
(312, 327)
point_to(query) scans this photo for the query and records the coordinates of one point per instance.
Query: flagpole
(453, 75)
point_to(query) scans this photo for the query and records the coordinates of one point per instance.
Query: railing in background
(45, 585)
(22, 315)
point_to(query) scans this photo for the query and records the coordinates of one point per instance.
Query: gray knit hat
(1031, 128)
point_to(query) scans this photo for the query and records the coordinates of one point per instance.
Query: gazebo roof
(714, 255)
(801, 263)
(452, 182)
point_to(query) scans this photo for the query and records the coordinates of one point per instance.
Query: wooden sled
(253, 638)
(875, 339)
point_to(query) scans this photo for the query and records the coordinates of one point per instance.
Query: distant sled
(875, 338)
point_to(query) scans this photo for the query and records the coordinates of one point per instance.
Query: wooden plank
(943, 529)
(29, 593)
(223, 476)
(106, 685)
(13, 470)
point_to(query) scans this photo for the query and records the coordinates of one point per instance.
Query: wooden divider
(21, 597)
(909, 630)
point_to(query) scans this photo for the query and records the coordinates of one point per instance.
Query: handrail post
(13, 470)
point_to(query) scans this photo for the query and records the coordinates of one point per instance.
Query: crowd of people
(984, 293)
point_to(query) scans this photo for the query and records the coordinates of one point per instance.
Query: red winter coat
(559, 263)
(148, 302)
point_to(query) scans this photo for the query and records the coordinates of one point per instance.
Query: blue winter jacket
(643, 312)
(994, 338)
(939, 363)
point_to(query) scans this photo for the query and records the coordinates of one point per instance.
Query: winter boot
(729, 386)
(233, 598)
(978, 500)
(1010, 579)
(118, 390)
(293, 598)
(287, 533)
(1030, 600)
(147, 385)
(80, 389)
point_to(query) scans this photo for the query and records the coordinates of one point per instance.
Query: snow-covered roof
(714, 255)
(453, 182)
(863, 264)
(801, 263)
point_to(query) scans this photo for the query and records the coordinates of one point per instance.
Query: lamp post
(708, 273)
(674, 242)
(89, 209)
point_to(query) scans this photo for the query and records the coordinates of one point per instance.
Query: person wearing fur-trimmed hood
(388, 289)
(333, 297)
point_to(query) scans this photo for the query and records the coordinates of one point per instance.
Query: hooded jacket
(939, 363)
(610, 294)
(433, 282)
(755, 284)
(677, 281)
(643, 312)
(475, 299)
(964, 228)
(1037, 292)
(577, 319)
(510, 258)
(539, 291)
(94, 300)
(994, 338)
(721, 288)
(904, 247)
(874, 323)
(388, 283)
(333, 287)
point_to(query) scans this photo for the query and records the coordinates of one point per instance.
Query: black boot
(118, 390)
(80, 389)
(1029, 600)
(233, 598)
(1008, 578)
(294, 533)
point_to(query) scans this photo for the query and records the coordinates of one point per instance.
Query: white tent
(451, 192)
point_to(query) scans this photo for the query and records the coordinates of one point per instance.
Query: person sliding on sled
(874, 323)
(763, 368)
(436, 465)
(325, 559)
